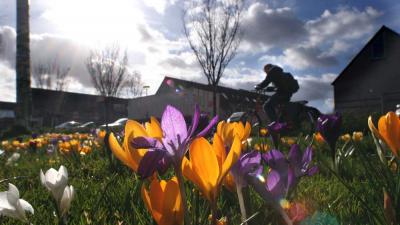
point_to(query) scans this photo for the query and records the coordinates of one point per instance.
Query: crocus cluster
(151, 148)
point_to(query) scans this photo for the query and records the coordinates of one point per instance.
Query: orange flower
(101, 134)
(163, 200)
(262, 147)
(357, 136)
(318, 137)
(263, 132)
(209, 164)
(228, 131)
(126, 153)
(388, 131)
(345, 137)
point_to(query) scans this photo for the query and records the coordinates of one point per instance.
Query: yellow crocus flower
(357, 136)
(163, 200)
(209, 164)
(388, 131)
(126, 153)
(345, 137)
(228, 131)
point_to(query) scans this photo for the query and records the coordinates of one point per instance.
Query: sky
(313, 40)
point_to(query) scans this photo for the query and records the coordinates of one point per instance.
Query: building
(52, 107)
(370, 82)
(185, 94)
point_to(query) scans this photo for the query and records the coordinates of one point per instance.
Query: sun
(96, 21)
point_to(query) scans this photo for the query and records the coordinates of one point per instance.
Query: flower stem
(241, 203)
(214, 213)
(178, 173)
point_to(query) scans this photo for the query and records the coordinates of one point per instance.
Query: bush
(14, 131)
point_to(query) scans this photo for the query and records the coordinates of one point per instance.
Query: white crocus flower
(12, 206)
(66, 199)
(57, 183)
(13, 158)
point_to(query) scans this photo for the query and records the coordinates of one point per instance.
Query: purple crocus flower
(174, 144)
(329, 126)
(275, 129)
(248, 164)
(286, 173)
(54, 141)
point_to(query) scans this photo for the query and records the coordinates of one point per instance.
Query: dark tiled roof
(229, 92)
(382, 29)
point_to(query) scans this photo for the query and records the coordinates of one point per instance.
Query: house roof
(382, 29)
(220, 89)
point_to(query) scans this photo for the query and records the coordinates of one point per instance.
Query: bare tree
(212, 28)
(108, 72)
(134, 85)
(51, 75)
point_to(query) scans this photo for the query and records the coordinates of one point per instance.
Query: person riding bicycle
(285, 86)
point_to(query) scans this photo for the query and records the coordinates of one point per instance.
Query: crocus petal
(4, 201)
(146, 198)
(276, 184)
(63, 173)
(148, 164)
(65, 202)
(43, 179)
(195, 120)
(174, 125)
(145, 142)
(153, 128)
(247, 131)
(294, 155)
(172, 211)
(389, 128)
(232, 157)
(219, 149)
(307, 157)
(132, 129)
(12, 194)
(189, 173)
(120, 153)
(26, 206)
(208, 128)
(204, 163)
(275, 159)
(313, 170)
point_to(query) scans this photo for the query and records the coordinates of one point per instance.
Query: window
(378, 47)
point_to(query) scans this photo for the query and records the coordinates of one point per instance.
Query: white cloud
(268, 27)
(346, 24)
(159, 5)
(7, 83)
(299, 58)
(314, 88)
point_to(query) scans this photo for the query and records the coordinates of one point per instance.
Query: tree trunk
(23, 66)
(106, 101)
(214, 100)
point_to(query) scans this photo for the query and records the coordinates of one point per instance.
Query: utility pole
(146, 87)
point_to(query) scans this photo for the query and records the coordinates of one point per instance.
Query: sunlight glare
(96, 21)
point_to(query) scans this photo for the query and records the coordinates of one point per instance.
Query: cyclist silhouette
(285, 87)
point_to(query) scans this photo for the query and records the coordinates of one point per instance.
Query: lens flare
(261, 178)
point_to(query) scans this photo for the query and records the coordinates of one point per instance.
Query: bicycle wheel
(255, 121)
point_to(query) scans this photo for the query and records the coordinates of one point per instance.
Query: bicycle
(296, 114)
